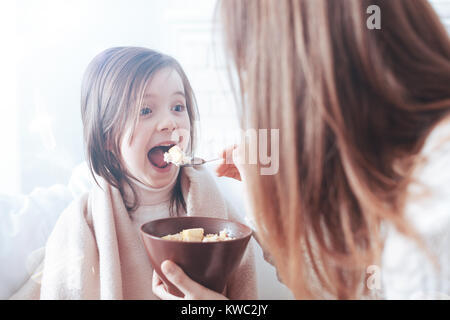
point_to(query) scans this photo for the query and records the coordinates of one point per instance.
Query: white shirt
(407, 272)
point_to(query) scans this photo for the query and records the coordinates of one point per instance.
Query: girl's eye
(178, 108)
(145, 111)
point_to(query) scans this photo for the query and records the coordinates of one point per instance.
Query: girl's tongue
(156, 156)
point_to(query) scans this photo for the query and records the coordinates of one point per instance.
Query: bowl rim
(249, 234)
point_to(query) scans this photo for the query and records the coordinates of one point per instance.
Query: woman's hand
(228, 166)
(191, 289)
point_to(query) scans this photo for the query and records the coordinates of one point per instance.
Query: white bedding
(25, 223)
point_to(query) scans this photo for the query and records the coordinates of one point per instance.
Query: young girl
(136, 103)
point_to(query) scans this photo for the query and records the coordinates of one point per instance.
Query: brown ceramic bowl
(208, 263)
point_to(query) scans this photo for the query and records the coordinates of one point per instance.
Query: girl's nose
(167, 124)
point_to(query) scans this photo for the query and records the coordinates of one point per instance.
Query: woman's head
(353, 106)
(135, 104)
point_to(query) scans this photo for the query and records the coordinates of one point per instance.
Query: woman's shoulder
(408, 271)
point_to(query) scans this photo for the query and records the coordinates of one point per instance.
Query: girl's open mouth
(156, 156)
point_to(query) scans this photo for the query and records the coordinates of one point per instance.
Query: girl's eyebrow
(173, 94)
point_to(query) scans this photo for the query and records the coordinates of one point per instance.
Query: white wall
(9, 169)
(443, 9)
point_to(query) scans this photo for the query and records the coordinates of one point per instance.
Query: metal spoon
(198, 162)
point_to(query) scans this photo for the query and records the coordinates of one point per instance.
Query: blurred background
(46, 46)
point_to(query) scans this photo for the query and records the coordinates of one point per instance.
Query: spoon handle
(198, 162)
(211, 160)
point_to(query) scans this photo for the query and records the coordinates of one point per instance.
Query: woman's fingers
(177, 276)
(228, 168)
(191, 289)
(160, 290)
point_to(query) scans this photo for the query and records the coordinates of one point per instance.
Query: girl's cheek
(183, 132)
(182, 135)
(187, 129)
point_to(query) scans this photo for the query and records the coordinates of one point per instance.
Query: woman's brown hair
(112, 91)
(354, 107)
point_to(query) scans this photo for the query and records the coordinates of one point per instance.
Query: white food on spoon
(176, 156)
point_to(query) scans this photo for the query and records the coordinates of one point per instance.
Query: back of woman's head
(354, 107)
(112, 92)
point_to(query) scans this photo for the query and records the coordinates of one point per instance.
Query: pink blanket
(95, 252)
